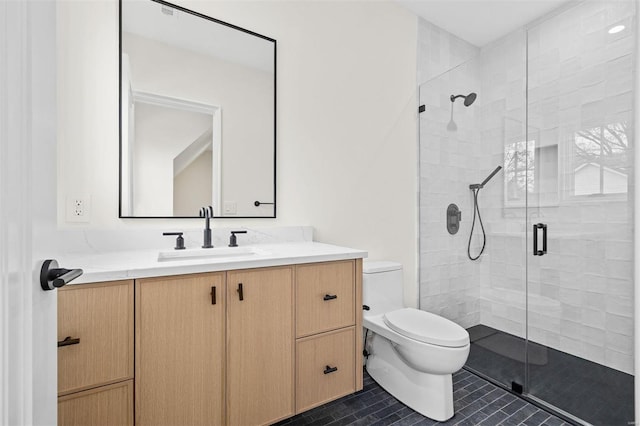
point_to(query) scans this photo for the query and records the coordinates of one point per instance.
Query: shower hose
(476, 209)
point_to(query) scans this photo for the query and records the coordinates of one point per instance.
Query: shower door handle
(537, 226)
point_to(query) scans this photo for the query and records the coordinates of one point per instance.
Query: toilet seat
(426, 327)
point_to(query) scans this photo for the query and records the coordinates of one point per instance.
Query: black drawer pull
(330, 296)
(213, 295)
(328, 369)
(69, 341)
(240, 292)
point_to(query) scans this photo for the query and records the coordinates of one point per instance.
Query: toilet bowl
(411, 353)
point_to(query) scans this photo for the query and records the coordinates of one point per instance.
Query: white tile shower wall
(502, 118)
(449, 283)
(440, 51)
(580, 78)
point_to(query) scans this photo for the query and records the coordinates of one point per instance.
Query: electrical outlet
(78, 209)
(230, 208)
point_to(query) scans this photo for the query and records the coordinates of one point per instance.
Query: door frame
(28, 359)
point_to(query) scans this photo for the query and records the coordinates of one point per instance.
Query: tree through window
(601, 160)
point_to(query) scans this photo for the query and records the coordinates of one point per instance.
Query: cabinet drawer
(325, 366)
(324, 297)
(101, 317)
(106, 405)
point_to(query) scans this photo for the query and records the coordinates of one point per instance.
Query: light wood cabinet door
(260, 367)
(324, 297)
(98, 319)
(180, 350)
(325, 368)
(104, 406)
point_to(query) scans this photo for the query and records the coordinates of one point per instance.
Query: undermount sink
(212, 253)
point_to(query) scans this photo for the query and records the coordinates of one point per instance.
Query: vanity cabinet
(95, 354)
(328, 331)
(104, 405)
(180, 350)
(239, 347)
(260, 367)
(187, 373)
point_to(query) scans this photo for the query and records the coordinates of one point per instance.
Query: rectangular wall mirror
(197, 115)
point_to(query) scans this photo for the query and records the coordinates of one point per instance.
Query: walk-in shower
(554, 110)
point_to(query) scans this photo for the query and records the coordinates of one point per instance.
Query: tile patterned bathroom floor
(476, 401)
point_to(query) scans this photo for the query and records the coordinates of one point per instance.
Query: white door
(28, 378)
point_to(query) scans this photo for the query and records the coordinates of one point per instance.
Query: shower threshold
(569, 385)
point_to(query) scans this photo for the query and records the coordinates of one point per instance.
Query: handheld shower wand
(476, 187)
(484, 182)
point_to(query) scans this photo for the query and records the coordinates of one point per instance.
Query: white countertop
(110, 266)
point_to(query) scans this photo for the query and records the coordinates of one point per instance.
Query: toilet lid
(427, 327)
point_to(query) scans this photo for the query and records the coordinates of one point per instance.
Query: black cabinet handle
(328, 369)
(68, 341)
(240, 291)
(537, 226)
(330, 296)
(213, 295)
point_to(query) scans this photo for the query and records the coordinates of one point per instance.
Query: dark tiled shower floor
(595, 393)
(476, 402)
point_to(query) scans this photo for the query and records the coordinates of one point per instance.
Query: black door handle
(52, 277)
(330, 297)
(240, 291)
(328, 369)
(213, 295)
(537, 226)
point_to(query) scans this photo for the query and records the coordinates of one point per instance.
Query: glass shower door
(460, 146)
(580, 212)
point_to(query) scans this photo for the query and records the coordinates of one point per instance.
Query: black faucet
(207, 213)
(179, 240)
(233, 242)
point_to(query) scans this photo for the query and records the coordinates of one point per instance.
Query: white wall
(161, 134)
(192, 185)
(346, 145)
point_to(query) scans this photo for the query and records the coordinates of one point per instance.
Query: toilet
(411, 353)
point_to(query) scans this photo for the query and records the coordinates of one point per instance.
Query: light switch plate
(230, 208)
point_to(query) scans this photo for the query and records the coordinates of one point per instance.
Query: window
(519, 160)
(601, 160)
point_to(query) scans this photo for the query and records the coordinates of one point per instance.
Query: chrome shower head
(468, 100)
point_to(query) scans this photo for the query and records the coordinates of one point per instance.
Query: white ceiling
(184, 30)
(481, 21)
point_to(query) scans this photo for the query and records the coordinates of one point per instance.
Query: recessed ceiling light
(616, 29)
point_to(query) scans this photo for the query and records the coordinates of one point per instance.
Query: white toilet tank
(382, 286)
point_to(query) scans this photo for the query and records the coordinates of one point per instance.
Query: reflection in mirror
(197, 123)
